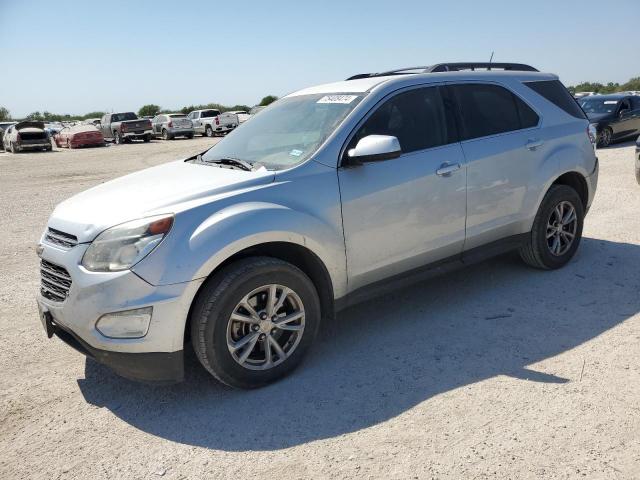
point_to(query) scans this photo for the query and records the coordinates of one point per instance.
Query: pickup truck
(211, 122)
(122, 127)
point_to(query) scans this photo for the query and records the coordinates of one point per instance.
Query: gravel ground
(496, 371)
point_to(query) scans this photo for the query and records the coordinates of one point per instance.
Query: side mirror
(374, 148)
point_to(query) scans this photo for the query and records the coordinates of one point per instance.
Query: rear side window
(416, 117)
(210, 113)
(635, 103)
(490, 110)
(554, 91)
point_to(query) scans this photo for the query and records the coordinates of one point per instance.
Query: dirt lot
(496, 371)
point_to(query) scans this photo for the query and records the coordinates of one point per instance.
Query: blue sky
(78, 56)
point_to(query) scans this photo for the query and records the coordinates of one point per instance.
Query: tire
(69, 145)
(165, 135)
(604, 139)
(190, 136)
(117, 139)
(147, 138)
(538, 250)
(213, 330)
(208, 131)
(12, 147)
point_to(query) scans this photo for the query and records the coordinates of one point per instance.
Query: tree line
(146, 110)
(611, 87)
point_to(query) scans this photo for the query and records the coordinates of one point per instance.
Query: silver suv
(331, 195)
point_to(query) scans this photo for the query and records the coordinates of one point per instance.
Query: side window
(417, 118)
(556, 93)
(625, 105)
(490, 110)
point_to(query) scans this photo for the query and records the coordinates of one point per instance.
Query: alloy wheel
(265, 327)
(561, 228)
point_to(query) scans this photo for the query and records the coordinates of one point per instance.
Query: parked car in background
(171, 125)
(615, 116)
(79, 136)
(256, 109)
(241, 114)
(27, 135)
(327, 198)
(4, 126)
(93, 121)
(578, 95)
(53, 127)
(638, 160)
(123, 127)
(211, 122)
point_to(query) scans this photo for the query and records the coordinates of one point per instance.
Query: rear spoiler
(29, 124)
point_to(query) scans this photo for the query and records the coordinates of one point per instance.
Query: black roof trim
(450, 67)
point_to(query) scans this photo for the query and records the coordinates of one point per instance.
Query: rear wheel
(190, 135)
(254, 321)
(117, 139)
(208, 131)
(165, 134)
(147, 138)
(557, 229)
(604, 139)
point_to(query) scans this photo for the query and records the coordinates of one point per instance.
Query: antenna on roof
(490, 60)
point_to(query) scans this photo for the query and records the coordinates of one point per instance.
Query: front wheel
(254, 321)
(208, 131)
(117, 139)
(557, 229)
(165, 134)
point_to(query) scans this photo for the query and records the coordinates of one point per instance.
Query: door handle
(532, 144)
(446, 169)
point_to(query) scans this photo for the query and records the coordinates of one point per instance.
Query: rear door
(503, 149)
(403, 213)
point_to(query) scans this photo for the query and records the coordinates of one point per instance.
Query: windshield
(599, 105)
(288, 132)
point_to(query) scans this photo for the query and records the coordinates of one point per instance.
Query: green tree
(633, 84)
(4, 114)
(267, 100)
(150, 110)
(35, 116)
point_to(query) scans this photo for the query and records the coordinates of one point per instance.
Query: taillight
(217, 121)
(170, 125)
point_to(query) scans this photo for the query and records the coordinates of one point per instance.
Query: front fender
(192, 251)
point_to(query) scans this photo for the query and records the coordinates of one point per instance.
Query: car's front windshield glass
(288, 132)
(599, 105)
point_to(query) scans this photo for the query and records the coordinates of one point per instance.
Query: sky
(74, 57)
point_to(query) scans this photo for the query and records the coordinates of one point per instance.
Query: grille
(60, 238)
(55, 281)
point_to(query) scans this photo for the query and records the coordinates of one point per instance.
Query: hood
(596, 117)
(29, 124)
(162, 189)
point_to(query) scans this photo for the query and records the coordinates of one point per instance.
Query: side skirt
(431, 270)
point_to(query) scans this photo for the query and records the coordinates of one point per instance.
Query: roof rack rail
(450, 67)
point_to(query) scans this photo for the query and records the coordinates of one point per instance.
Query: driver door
(403, 213)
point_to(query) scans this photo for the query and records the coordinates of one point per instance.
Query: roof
(362, 85)
(611, 96)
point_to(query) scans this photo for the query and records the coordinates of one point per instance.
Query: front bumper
(153, 367)
(93, 294)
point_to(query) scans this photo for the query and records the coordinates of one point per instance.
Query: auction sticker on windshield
(337, 99)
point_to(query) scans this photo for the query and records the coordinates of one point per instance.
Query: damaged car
(27, 135)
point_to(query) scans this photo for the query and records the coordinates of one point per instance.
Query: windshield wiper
(235, 162)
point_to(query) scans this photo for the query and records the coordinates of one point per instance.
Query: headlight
(121, 247)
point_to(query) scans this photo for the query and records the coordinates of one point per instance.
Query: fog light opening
(126, 324)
